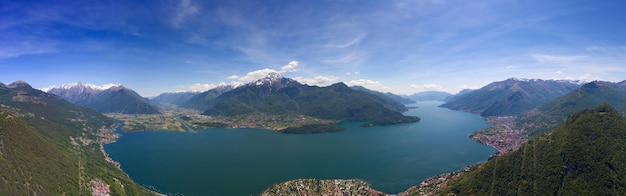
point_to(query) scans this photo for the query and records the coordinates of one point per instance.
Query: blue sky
(392, 46)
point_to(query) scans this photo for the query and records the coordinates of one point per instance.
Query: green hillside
(583, 156)
(49, 146)
(337, 102)
(588, 96)
(202, 101)
(122, 100)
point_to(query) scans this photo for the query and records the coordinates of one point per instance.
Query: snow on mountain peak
(80, 86)
(91, 86)
(271, 78)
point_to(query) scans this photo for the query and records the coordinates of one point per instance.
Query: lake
(247, 161)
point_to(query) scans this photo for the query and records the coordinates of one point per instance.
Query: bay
(246, 161)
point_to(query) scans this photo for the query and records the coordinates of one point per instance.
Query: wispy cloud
(354, 41)
(185, 9)
(13, 49)
(545, 58)
(350, 57)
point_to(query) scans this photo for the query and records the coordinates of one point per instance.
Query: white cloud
(258, 74)
(363, 82)
(370, 84)
(427, 87)
(431, 86)
(354, 73)
(588, 77)
(555, 59)
(559, 72)
(317, 80)
(201, 87)
(255, 75)
(291, 67)
(205, 87)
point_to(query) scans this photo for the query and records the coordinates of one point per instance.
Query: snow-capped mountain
(273, 81)
(109, 98)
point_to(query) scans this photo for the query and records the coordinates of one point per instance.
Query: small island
(391, 120)
(313, 128)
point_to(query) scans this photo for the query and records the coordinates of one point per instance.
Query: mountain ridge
(278, 95)
(511, 97)
(113, 99)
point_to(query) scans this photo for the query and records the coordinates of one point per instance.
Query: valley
(170, 120)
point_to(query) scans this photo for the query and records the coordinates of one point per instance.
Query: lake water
(247, 161)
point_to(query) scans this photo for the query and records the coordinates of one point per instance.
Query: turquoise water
(246, 161)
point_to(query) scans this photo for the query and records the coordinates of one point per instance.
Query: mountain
(202, 100)
(275, 94)
(49, 146)
(112, 99)
(400, 98)
(174, 98)
(511, 97)
(583, 156)
(455, 96)
(392, 97)
(589, 95)
(430, 96)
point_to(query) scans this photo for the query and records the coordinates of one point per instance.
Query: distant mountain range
(174, 98)
(114, 99)
(388, 95)
(49, 146)
(202, 101)
(430, 96)
(511, 97)
(584, 156)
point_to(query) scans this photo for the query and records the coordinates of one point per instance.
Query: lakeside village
(504, 136)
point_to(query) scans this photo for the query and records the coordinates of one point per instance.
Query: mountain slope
(394, 98)
(547, 116)
(115, 99)
(203, 100)
(584, 156)
(174, 98)
(49, 146)
(510, 97)
(588, 96)
(278, 95)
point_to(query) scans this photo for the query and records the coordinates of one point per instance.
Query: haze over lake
(246, 161)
